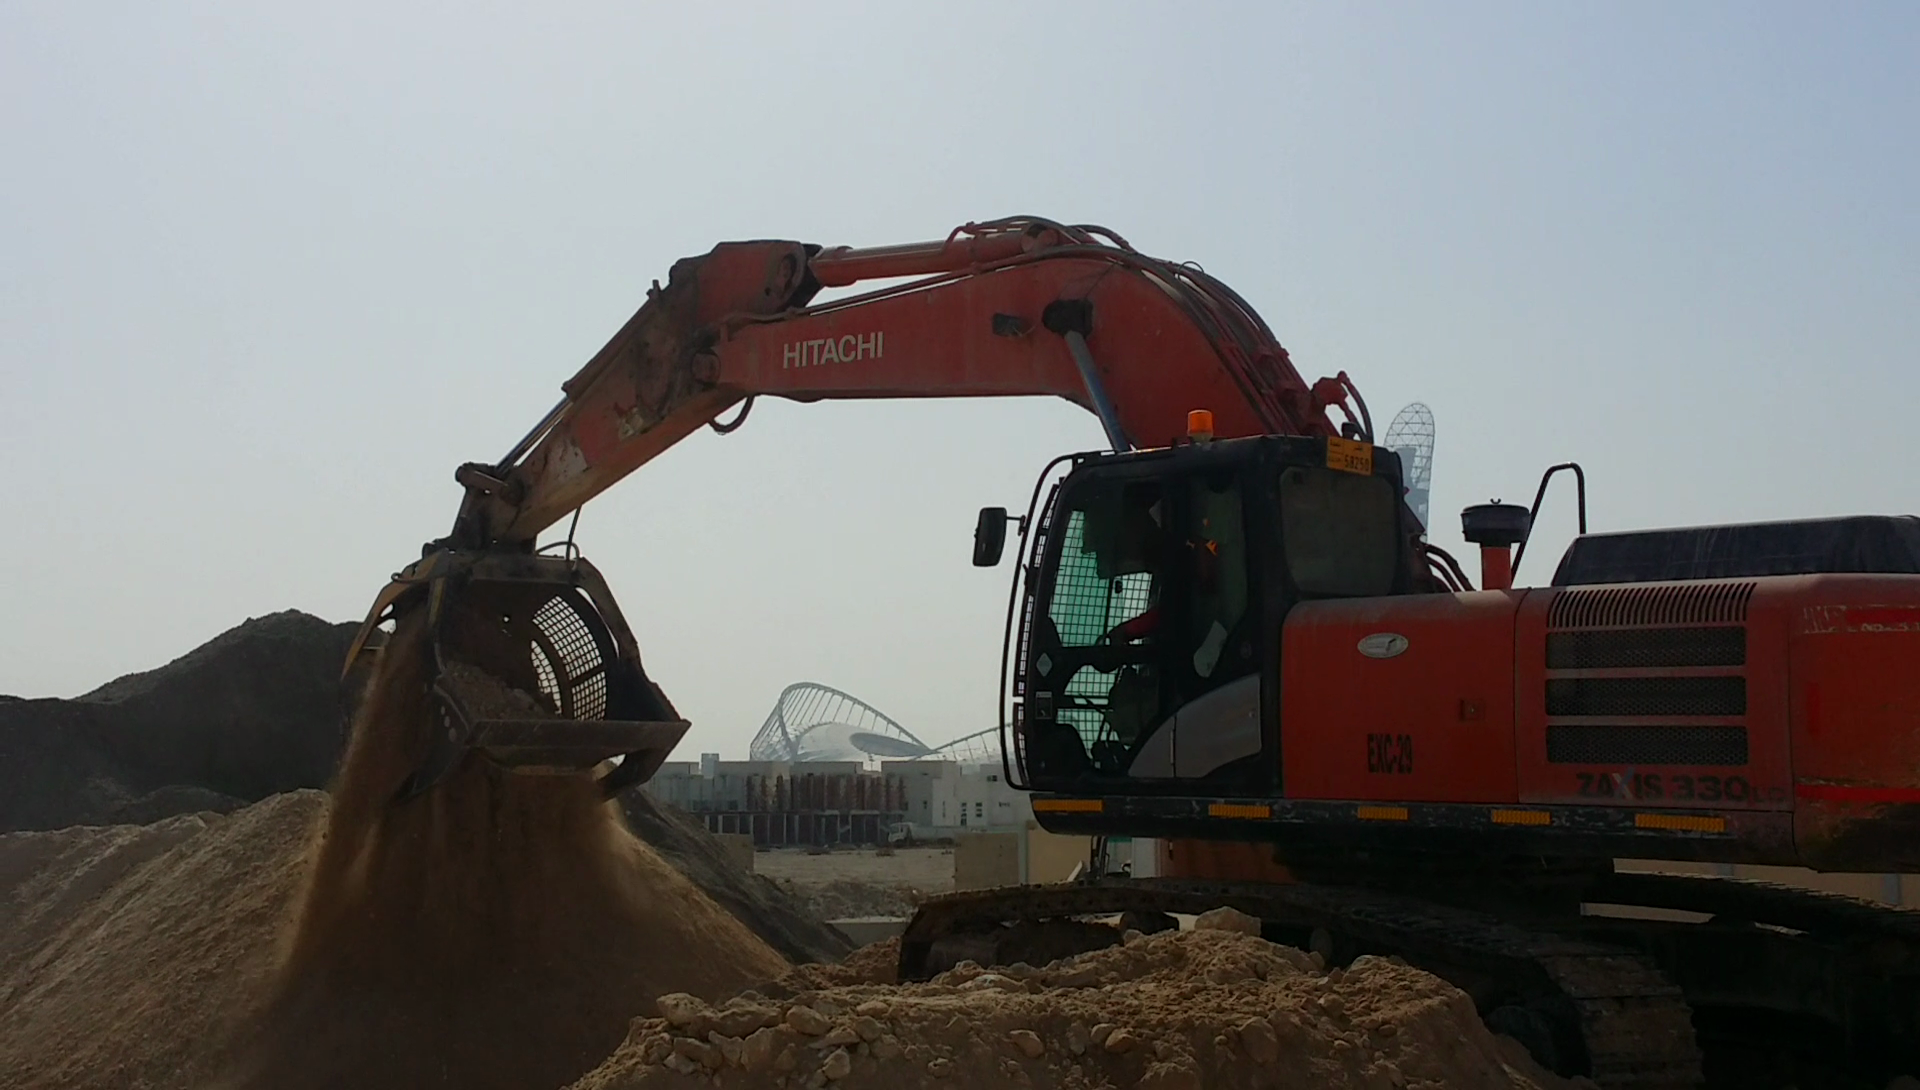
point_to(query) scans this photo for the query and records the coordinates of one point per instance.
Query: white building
(945, 797)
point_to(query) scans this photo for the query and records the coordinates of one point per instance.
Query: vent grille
(1637, 745)
(1678, 604)
(1628, 648)
(1647, 696)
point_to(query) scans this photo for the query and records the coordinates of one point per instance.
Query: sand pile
(129, 954)
(782, 920)
(260, 709)
(497, 931)
(1173, 1011)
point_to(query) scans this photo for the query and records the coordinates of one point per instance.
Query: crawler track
(1829, 915)
(1787, 984)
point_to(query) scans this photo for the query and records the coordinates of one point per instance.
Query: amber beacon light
(1200, 425)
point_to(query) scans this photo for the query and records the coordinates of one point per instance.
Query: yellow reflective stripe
(1069, 806)
(1383, 813)
(1691, 823)
(1522, 817)
(1238, 810)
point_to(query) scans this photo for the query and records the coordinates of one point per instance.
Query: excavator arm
(1012, 307)
(1007, 308)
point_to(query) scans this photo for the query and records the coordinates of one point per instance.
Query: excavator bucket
(534, 670)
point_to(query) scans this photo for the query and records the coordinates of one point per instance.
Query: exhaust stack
(1496, 527)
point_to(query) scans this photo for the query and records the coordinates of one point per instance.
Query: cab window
(1099, 649)
(1216, 553)
(1340, 532)
(1108, 561)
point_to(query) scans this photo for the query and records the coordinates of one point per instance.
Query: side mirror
(989, 536)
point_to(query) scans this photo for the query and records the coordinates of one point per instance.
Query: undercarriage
(1632, 980)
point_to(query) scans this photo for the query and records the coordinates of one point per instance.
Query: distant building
(781, 803)
(785, 802)
(827, 767)
(944, 798)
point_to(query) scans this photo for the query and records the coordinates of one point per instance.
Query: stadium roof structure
(1411, 436)
(815, 722)
(980, 747)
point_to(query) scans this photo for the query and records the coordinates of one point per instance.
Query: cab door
(1146, 644)
(1211, 725)
(1096, 683)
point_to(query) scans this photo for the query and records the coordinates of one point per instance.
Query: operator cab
(1148, 651)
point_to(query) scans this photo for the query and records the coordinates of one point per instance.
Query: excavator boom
(1011, 307)
(1014, 307)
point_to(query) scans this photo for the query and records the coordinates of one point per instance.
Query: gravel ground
(841, 884)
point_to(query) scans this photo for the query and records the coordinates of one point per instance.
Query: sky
(271, 272)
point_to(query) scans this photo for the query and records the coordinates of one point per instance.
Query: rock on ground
(843, 898)
(1171, 1011)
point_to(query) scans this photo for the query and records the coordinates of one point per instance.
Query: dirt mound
(497, 931)
(1173, 1011)
(849, 898)
(253, 712)
(131, 955)
(128, 954)
(876, 963)
(259, 710)
(782, 920)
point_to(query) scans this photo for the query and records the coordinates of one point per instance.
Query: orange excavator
(1228, 632)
